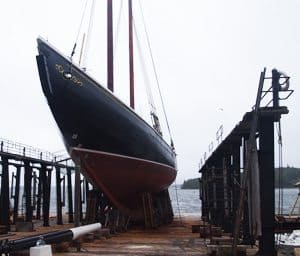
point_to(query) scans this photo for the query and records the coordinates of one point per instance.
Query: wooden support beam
(4, 198)
(39, 197)
(266, 160)
(46, 195)
(17, 194)
(27, 190)
(70, 195)
(77, 197)
(58, 197)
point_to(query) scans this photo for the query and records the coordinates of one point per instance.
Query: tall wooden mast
(131, 69)
(110, 48)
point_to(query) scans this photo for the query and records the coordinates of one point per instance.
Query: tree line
(287, 177)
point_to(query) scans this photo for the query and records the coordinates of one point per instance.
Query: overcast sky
(208, 55)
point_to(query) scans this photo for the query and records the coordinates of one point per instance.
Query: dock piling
(17, 193)
(58, 196)
(77, 213)
(27, 190)
(4, 198)
(70, 195)
(239, 196)
(267, 186)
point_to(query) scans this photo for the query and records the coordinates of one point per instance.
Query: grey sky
(208, 54)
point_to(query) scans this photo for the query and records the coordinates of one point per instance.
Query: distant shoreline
(288, 178)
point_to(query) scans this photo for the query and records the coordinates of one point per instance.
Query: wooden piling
(17, 194)
(39, 197)
(70, 195)
(4, 198)
(267, 181)
(46, 196)
(58, 197)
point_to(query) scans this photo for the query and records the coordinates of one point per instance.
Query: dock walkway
(175, 239)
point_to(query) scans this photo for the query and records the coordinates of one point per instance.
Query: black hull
(91, 117)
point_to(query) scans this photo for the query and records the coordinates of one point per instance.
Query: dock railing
(17, 148)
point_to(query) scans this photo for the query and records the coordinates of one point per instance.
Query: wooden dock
(185, 236)
(175, 239)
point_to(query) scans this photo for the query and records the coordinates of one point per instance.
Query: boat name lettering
(64, 74)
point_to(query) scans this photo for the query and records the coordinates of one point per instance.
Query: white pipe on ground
(42, 249)
(80, 231)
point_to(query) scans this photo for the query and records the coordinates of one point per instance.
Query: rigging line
(155, 73)
(280, 176)
(178, 207)
(79, 29)
(118, 28)
(145, 76)
(88, 36)
(281, 164)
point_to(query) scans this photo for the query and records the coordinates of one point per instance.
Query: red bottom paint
(124, 179)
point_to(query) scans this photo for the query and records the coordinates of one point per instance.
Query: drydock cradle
(26, 197)
(236, 189)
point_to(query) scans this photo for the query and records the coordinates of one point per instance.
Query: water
(289, 197)
(188, 202)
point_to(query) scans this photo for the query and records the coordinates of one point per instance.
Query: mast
(131, 69)
(110, 48)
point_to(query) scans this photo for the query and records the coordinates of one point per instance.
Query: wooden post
(46, 196)
(266, 157)
(227, 225)
(17, 194)
(34, 190)
(77, 196)
(4, 199)
(236, 179)
(27, 189)
(70, 195)
(39, 197)
(58, 196)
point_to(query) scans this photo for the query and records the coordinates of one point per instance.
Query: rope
(280, 189)
(156, 75)
(88, 36)
(79, 29)
(280, 163)
(145, 76)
